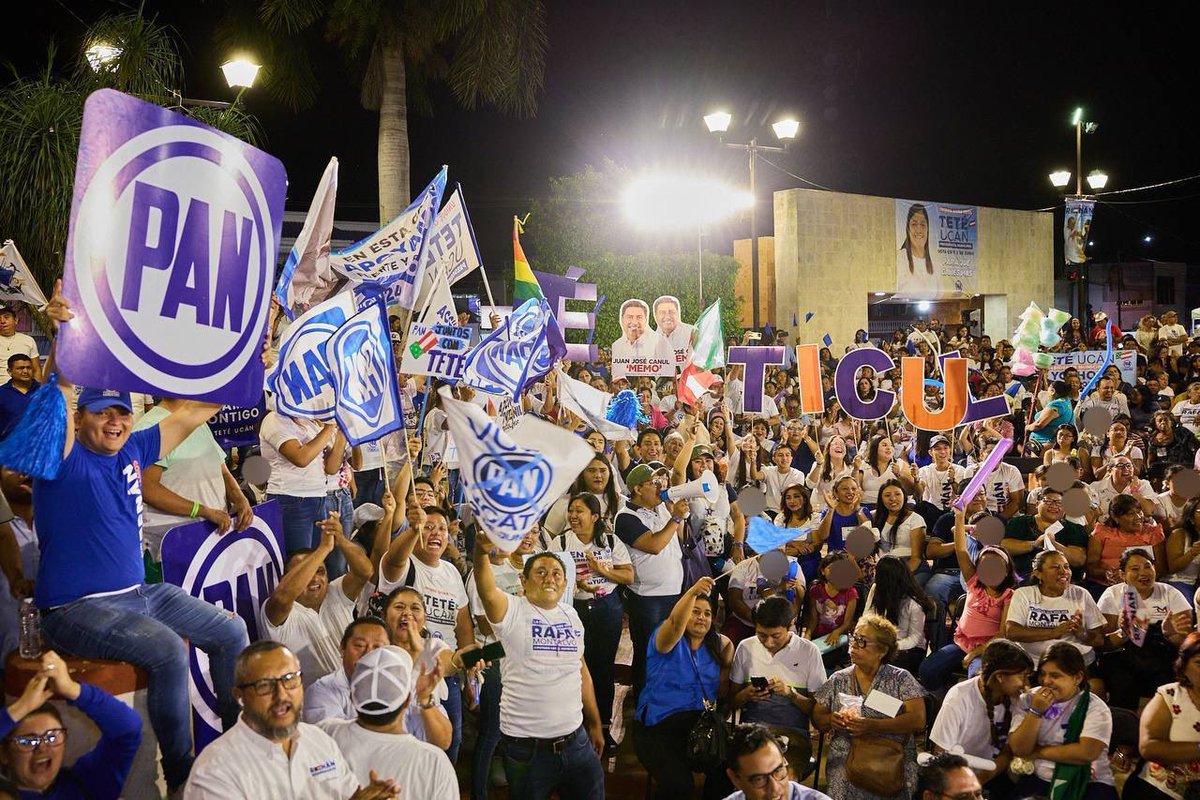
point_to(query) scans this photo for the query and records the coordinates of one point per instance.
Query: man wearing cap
(12, 343)
(14, 395)
(936, 480)
(381, 690)
(653, 535)
(549, 721)
(270, 752)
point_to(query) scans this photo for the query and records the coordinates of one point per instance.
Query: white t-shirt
(616, 554)
(1188, 415)
(508, 580)
(1000, 485)
(963, 720)
(940, 484)
(244, 764)
(419, 768)
(444, 593)
(903, 546)
(654, 574)
(1166, 332)
(315, 636)
(818, 488)
(797, 664)
(871, 483)
(775, 482)
(1103, 492)
(370, 456)
(21, 343)
(1096, 725)
(286, 478)
(744, 578)
(1164, 600)
(542, 695)
(1031, 608)
(910, 632)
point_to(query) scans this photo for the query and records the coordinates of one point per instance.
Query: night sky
(967, 103)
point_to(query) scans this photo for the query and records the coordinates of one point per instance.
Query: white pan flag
(307, 278)
(512, 478)
(16, 281)
(591, 405)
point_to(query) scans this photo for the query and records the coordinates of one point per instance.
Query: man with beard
(270, 752)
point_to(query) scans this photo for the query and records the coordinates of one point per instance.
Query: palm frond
(233, 120)
(290, 16)
(148, 64)
(500, 58)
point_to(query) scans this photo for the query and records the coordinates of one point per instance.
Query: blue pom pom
(35, 444)
(625, 410)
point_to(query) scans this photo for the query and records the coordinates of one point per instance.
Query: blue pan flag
(517, 353)
(828, 340)
(764, 537)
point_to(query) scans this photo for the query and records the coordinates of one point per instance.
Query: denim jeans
(370, 486)
(645, 614)
(535, 770)
(146, 626)
(938, 666)
(300, 515)
(601, 634)
(453, 706)
(489, 731)
(338, 502)
(945, 587)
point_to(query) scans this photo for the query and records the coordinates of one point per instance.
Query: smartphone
(491, 652)
(758, 682)
(753, 336)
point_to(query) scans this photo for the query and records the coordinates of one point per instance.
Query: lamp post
(785, 130)
(239, 73)
(1096, 181)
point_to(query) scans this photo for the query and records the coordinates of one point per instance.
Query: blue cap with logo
(95, 400)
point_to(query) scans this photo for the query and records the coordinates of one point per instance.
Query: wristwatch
(426, 706)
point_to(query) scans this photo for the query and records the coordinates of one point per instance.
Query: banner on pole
(1088, 362)
(436, 350)
(170, 258)
(307, 278)
(1077, 226)
(235, 571)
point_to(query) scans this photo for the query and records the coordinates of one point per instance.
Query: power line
(794, 175)
(1151, 186)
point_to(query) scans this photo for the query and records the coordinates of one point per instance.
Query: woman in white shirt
(780, 475)
(900, 529)
(1170, 733)
(746, 463)
(1053, 609)
(598, 479)
(976, 714)
(294, 449)
(876, 469)
(896, 596)
(830, 465)
(917, 274)
(1064, 729)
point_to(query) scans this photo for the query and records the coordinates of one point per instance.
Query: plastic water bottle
(31, 630)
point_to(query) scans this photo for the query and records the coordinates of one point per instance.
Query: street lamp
(665, 201)
(785, 131)
(101, 55)
(1096, 180)
(240, 74)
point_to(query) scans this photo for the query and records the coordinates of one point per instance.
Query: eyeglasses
(1050, 502)
(266, 686)
(759, 779)
(860, 641)
(55, 737)
(1124, 466)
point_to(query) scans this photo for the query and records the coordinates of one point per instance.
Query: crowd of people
(1013, 637)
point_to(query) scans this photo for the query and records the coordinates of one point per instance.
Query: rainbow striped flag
(525, 285)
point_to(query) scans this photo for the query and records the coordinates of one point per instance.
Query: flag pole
(487, 287)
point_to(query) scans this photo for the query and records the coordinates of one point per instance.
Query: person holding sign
(91, 580)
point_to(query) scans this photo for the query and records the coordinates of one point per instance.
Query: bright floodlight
(1147, 238)
(718, 121)
(1060, 178)
(1097, 180)
(101, 55)
(1077, 117)
(240, 72)
(786, 129)
(681, 201)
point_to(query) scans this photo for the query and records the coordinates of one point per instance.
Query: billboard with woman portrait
(936, 250)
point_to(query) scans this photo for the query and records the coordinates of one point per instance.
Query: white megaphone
(706, 486)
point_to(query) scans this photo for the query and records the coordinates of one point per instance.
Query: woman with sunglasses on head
(1170, 733)
(842, 707)
(1064, 729)
(33, 738)
(976, 714)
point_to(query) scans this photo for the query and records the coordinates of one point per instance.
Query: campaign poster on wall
(937, 248)
(641, 351)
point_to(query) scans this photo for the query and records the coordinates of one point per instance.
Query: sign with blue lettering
(234, 571)
(937, 249)
(363, 367)
(171, 255)
(237, 427)
(437, 350)
(300, 383)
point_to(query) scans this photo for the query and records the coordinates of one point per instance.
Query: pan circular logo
(514, 482)
(173, 234)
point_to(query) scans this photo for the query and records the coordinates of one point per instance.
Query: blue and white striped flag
(511, 479)
(395, 254)
(517, 353)
(359, 354)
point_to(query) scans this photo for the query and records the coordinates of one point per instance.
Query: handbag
(876, 764)
(708, 740)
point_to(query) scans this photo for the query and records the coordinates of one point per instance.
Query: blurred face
(104, 432)
(406, 610)
(892, 498)
(35, 764)
(271, 709)
(363, 639)
(1064, 685)
(633, 321)
(546, 582)
(580, 517)
(666, 314)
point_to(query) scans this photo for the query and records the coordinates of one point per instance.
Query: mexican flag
(708, 339)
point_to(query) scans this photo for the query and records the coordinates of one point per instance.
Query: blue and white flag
(300, 383)
(16, 281)
(306, 278)
(512, 478)
(395, 252)
(517, 353)
(590, 405)
(367, 397)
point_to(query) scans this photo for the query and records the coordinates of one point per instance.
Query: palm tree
(489, 52)
(41, 118)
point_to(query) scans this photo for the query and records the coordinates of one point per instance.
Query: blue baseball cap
(99, 399)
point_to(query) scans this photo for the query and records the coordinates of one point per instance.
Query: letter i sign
(171, 255)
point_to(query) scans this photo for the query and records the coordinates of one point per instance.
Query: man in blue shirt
(91, 579)
(14, 395)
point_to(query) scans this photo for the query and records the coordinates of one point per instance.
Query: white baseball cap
(382, 681)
